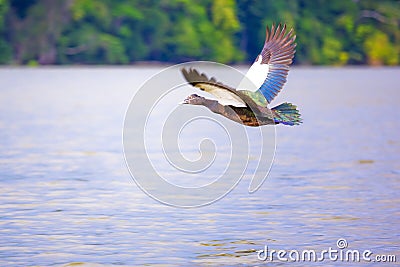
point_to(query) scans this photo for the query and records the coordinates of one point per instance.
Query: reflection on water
(67, 198)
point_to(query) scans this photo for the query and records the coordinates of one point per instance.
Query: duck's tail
(287, 114)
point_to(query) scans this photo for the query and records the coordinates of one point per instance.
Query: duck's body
(242, 115)
(268, 73)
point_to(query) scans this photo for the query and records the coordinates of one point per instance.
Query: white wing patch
(255, 76)
(224, 97)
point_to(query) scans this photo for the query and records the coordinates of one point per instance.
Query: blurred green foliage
(5, 47)
(330, 32)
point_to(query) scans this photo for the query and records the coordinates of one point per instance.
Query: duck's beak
(185, 101)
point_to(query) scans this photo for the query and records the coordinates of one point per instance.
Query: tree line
(329, 32)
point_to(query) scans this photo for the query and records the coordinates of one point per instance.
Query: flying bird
(268, 73)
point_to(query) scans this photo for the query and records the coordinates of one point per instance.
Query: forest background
(329, 32)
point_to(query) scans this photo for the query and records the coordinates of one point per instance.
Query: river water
(67, 198)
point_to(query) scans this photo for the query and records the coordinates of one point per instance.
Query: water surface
(67, 197)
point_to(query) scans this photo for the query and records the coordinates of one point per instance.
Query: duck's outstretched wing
(268, 73)
(223, 93)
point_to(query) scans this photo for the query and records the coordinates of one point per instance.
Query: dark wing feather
(220, 90)
(194, 78)
(225, 94)
(278, 53)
